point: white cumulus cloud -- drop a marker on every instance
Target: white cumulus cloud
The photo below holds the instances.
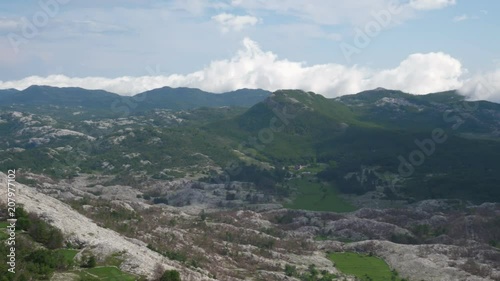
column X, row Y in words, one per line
column 233, row 22
column 422, row 73
column 252, row 67
column 484, row 86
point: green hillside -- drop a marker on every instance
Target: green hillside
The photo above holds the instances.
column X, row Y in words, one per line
column 378, row 129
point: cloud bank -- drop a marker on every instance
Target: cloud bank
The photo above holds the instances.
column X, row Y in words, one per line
column 252, row 67
column 483, row 87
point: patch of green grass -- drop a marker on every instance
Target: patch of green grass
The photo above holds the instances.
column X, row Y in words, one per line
column 69, row 254
column 115, row 259
column 364, row 267
column 3, row 230
column 314, row 196
column 109, row 273
column 321, row 238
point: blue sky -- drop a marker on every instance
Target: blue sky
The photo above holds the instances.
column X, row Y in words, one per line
column 127, row 46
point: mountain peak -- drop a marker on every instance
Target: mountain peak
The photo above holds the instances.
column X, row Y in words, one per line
column 298, row 95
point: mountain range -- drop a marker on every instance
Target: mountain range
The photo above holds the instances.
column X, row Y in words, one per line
column 409, row 147
column 163, row 98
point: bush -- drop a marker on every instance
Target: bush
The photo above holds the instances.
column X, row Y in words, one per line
column 44, row 233
column 90, row 263
column 38, row 229
column 171, row 275
column 287, row 218
column 403, row 239
column 230, row 196
column 290, row 270
column 160, row 200
column 44, row 262
column 203, row 215
column 175, row 255
column 23, row 221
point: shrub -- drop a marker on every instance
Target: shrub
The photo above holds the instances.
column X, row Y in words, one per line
column 290, row 270
column 171, row 275
column 23, row 221
column 160, row 200
column 230, row 196
column 90, row 263
column 44, row 262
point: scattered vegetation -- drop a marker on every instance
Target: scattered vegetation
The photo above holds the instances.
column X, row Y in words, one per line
column 312, row 274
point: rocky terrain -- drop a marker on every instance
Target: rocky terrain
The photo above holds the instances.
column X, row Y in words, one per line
column 431, row 240
column 84, row 232
column 228, row 193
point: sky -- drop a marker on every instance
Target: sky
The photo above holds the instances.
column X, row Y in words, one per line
column 331, row 47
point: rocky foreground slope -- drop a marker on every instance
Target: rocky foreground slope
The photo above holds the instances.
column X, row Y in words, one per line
column 81, row 230
column 233, row 244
